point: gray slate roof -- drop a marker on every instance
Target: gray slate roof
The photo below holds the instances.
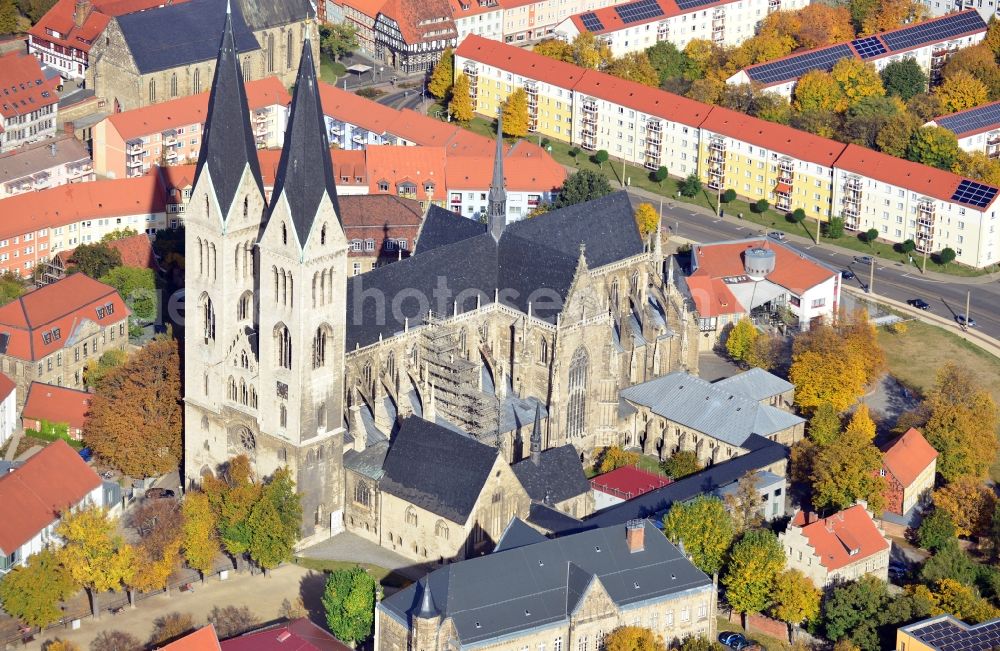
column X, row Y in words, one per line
column 181, row 34
column 535, row 585
column 716, row 411
column 261, row 14
column 756, row 384
column 557, row 477
column 518, row 534
column 442, row 227
column 437, row 469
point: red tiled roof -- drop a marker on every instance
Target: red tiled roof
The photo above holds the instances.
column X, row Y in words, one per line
column 628, row 482
column 296, row 635
column 60, row 18
column 426, row 20
column 349, row 162
column 465, row 8
column 369, row 8
column 348, row 107
column 136, row 251
column 28, row 322
column 192, row 109
column 612, row 21
column 57, row 404
column 176, row 177
column 843, row 538
column 204, row 639
column 65, row 204
column 792, row 270
column 32, row 496
column 908, row 456
column 23, row 87
column 6, row 386
column 417, row 165
column 520, row 62
column 776, row 137
column 712, row 297
column 527, row 167
column 640, row 97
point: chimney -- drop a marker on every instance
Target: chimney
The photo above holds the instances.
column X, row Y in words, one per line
column 635, row 532
column 82, row 10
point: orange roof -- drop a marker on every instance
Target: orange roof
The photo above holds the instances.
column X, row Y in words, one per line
column 423, row 21
column 33, row 495
column 465, row 8
column 422, row 166
column 520, row 62
column 640, row 97
column 176, row 177
column 712, row 297
column 915, row 177
column 57, row 404
column 136, row 251
column 192, row 109
column 792, row 270
column 204, row 639
column 346, row 162
column 60, row 18
column 43, row 321
column 348, row 107
column 24, row 86
column 775, row 137
column 908, row 456
column 369, row 8
column 843, row 538
column 6, row 386
column 527, row 167
column 612, row 21
column 66, row 204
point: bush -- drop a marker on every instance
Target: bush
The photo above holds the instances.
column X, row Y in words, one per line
column 115, row 641
column 946, row 255
column 690, row 186
column 897, row 328
column 834, row 228
column 369, row 93
column 170, row 627
column 53, row 431
column 760, row 206
column 601, row 157
column 871, row 235
column 798, row 215
column 230, row 621
column 681, row 464
column 729, row 196
column 574, row 152
column 659, row 174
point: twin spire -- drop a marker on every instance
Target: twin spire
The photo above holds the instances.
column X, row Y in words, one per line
column 496, row 211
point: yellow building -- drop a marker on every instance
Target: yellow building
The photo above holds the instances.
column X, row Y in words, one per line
column 946, row 632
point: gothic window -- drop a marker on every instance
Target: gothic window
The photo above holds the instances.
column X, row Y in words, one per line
column 390, row 365
column 204, row 423
column 283, row 416
column 173, row 84
column 270, row 52
column 411, row 516
column 197, row 81
column 201, row 255
column 204, row 377
column 283, row 345
column 246, row 69
column 322, row 235
column 284, row 234
column 577, row 404
column 321, row 417
column 361, row 494
column 246, row 206
column 244, row 393
column 231, row 391
column 274, row 272
column 614, row 295
column 288, row 50
column 244, row 360
column 634, row 283
column 206, row 205
column 152, row 91
column 441, row 529
column 253, row 397
column 244, row 307
column 208, row 318
column 543, row 350
column 319, row 347
column 366, row 373
column 484, row 332
column 463, row 343
column 413, row 357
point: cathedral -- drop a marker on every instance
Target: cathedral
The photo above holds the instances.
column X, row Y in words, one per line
column 518, row 337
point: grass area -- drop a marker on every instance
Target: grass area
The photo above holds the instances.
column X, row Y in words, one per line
column 646, row 462
column 766, row 641
column 937, row 346
column 381, row 574
column 330, row 70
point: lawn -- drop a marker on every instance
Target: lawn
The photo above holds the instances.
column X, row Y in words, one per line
column 381, row 574
column 937, row 346
column 330, row 70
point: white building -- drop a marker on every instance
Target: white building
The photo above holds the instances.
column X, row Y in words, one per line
column 8, row 408
column 481, row 17
column 986, row 8
column 29, row 104
column 977, row 129
column 46, row 164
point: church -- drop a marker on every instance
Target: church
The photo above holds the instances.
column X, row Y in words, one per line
column 517, row 337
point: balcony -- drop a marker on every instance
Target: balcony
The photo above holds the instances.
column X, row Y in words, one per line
column 261, row 116
column 133, row 147
column 76, row 171
column 169, row 137
column 773, row 6
column 41, row 180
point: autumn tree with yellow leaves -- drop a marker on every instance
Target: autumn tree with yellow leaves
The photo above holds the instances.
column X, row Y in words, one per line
column 857, row 80
column 846, row 470
column 613, row 457
column 961, row 423
column 969, row 503
column 817, row 90
column 962, row 91
column 633, row 638
column 796, row 599
column 515, row 114
column 460, row 106
column 95, row 554
column 646, row 219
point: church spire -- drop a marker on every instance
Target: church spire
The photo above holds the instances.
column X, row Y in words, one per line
column 536, row 437
column 496, row 211
column 305, row 171
column 228, row 146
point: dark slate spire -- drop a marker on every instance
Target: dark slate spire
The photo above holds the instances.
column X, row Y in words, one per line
column 228, row 145
column 536, row 437
column 496, row 211
column 305, row 171
column 428, row 610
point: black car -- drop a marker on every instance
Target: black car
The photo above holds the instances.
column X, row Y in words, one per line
column 918, row 303
column 156, row 493
column 846, row 274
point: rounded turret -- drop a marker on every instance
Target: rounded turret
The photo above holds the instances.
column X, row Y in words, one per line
column 758, row 262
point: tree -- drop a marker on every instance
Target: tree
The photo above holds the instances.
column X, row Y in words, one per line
column 589, row 51
column 95, row 260
column 865, row 120
column 817, row 90
column 690, row 186
column 729, row 196
column 949, row 597
column 822, row 24
column 961, row 91
column 904, row 78
column 60, row 645
column 861, row 427
column 894, row 137
column 764, row 353
column 274, row 521
column 646, row 219
column 555, row 48
column 760, row 206
column 860, row 10
column 349, row 602
column 829, row 367
column 704, row 528
column 754, row 564
column 159, row 524
column 707, row 91
column 582, row 186
column 119, row 234
column 230, row 621
column 969, row 503
column 460, row 105
column 853, row 610
column 680, row 464
column 94, row 372
column 936, row 530
column 946, row 255
column 871, row 235
column 32, row 592
column 992, row 39
column 337, row 39
column 834, row 229
column 934, row 146
column 961, row 424
column 743, row 504
column 949, row 562
column 11, row 287
column 135, row 418
column 890, row 14
column 137, row 286
column 152, row 569
column 846, row 470
column 980, row 62
column 908, row 246
column 515, row 114
column 443, row 75
column 94, row 552
column 700, row 643
column 634, row 66
column 115, row 641
column 979, row 166
column 600, row 157
column 232, row 497
column 169, row 627
column 796, row 599
column 613, row 457
column 659, row 175
column 824, row 425
column 667, row 60
column 760, row 48
column 199, row 542
column 633, row 638
column 857, row 80
column 9, row 17
column 740, row 339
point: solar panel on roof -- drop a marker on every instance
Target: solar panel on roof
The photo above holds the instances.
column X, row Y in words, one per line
column 795, row 66
column 933, row 31
column 591, row 22
column 691, row 4
column 868, row 47
column 633, row 12
column 978, row 119
column 974, row 194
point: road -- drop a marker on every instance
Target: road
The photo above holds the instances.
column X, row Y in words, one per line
column 947, row 298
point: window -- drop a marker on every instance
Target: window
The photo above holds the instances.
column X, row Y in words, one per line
column 152, row 91
column 173, row 84
column 208, row 318
column 411, row 516
column 576, row 411
column 543, row 350
column 288, row 50
column 246, row 69
column 270, row 53
column 362, row 494
column 581, row 645
column 319, row 347
column 283, row 346
column 557, row 644
column 196, row 82
column 441, row 531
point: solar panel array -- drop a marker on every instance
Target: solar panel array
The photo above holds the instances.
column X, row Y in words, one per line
column 691, row 4
column 974, row 194
column 948, row 635
column 795, row 66
column 868, row 47
column 981, row 118
column 634, row 12
column 933, row 31
column 591, row 22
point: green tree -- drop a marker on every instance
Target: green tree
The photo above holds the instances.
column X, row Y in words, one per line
column 94, row 553
column 946, row 255
column 934, row 146
column 760, row 206
column 199, row 540
column 895, row 135
column 854, row 610
column 94, row 372
column 824, row 425
column 680, row 464
column 349, row 602
column 582, row 186
column 444, row 75
column 866, row 119
column 962, row 423
column 600, row 157
column 796, row 599
column 337, row 39
column 9, row 17
column 834, row 228
column 460, row 105
column 119, row 234
column 275, row 521
column 754, row 564
column 95, row 260
column 904, row 79
column 634, row 66
column 515, row 114
column 871, row 235
column 729, row 196
column 137, row 286
column 741, row 339
column 705, row 529
column 11, row 287
column 32, row 592
column 936, row 530
column 690, row 186
column 949, row 562
column 908, row 246
column 667, row 60
column 232, row 497
column 659, row 175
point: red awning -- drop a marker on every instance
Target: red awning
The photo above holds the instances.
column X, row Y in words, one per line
column 783, row 188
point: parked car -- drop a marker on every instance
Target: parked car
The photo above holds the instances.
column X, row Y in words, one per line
column 864, row 259
column 734, row 640
column 86, row 454
column 967, row 321
column 846, row 274
column 777, row 235
column 919, row 303
column 157, row 493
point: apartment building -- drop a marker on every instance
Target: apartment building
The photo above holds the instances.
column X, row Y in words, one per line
column 758, row 159
column 636, row 26
column 930, row 44
column 986, row 8
column 480, row 17
column 842, row 547
column 29, row 104
column 361, row 15
column 46, row 164
column 128, row 144
column 977, row 129
column 947, row 633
